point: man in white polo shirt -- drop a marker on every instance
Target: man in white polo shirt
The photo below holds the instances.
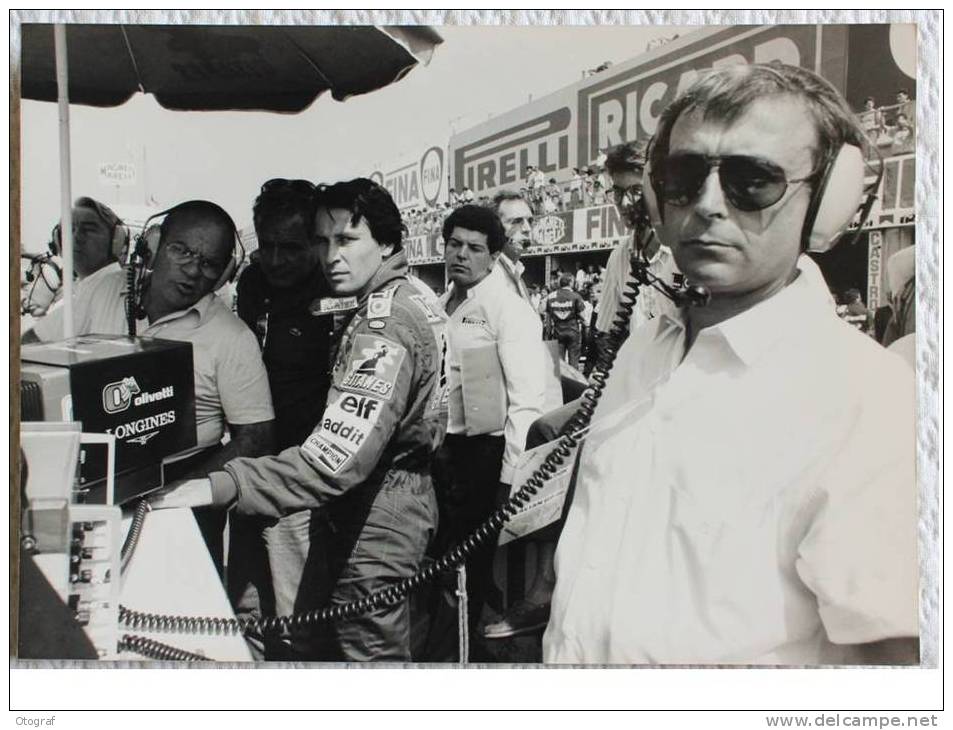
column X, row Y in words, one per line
column 197, row 239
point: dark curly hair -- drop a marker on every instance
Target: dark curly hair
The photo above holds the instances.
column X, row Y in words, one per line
column 364, row 198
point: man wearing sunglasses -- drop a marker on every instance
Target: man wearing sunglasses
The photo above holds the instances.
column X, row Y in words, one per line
column 285, row 301
column 196, row 241
column 746, row 493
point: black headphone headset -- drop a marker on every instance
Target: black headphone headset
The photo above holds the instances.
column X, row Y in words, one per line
column 118, row 232
column 836, row 199
column 148, row 239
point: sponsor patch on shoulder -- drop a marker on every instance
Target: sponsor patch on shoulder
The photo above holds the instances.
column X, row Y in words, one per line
column 431, row 311
column 327, row 454
column 374, row 367
column 377, row 324
column 330, row 305
column 379, row 303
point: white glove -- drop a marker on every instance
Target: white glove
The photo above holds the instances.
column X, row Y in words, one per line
column 186, row 493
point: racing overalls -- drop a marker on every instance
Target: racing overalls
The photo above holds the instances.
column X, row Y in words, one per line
column 368, row 460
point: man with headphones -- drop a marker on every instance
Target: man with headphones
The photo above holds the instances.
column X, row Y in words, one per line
column 99, row 237
column 746, row 493
column 196, row 254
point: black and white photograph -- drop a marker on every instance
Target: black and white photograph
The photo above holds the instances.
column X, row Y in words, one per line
column 477, row 340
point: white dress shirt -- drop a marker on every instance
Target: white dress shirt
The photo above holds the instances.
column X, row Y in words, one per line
column 753, row 502
column 514, row 275
column 493, row 314
column 651, row 303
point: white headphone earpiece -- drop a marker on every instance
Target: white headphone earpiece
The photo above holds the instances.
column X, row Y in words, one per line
column 835, row 200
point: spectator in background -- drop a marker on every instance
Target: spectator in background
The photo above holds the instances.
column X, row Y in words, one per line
column 854, row 312
column 581, row 277
column 905, row 105
column 553, row 197
column 564, row 308
column 468, row 196
column 870, row 117
column 577, row 188
column 903, row 138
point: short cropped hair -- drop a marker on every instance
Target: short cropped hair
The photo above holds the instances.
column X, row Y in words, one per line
column 626, row 157
column 728, row 92
column 283, row 199
column 480, row 219
column 102, row 211
column 565, row 280
column 364, row 198
column 205, row 209
column 505, row 195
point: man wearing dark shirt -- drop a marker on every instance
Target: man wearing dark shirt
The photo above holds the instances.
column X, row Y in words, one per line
column 564, row 307
column 284, row 299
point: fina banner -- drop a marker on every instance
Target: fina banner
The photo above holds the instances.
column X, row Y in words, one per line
column 582, row 229
column 417, row 184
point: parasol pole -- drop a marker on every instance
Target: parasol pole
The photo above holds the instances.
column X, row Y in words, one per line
column 66, row 206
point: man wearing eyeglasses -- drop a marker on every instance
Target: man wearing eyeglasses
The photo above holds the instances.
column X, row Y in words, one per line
column 625, row 164
column 285, row 301
column 747, row 492
column 196, row 241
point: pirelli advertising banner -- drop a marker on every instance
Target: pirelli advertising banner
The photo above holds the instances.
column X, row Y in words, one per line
column 570, row 127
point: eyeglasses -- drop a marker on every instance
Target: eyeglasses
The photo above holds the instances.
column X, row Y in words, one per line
column 181, row 255
column 749, row 183
column 633, row 193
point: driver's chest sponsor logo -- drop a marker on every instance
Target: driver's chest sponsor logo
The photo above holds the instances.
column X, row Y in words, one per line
column 374, row 366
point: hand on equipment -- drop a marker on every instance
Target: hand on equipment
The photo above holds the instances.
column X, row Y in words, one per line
column 186, row 493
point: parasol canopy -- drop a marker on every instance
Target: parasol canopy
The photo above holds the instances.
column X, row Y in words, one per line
column 221, row 67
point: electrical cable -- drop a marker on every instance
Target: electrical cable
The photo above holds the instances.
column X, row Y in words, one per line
column 393, row 594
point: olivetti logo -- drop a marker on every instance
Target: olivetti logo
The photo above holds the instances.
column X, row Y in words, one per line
column 117, row 396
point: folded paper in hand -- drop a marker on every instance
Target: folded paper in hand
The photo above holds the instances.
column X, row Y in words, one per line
column 547, row 505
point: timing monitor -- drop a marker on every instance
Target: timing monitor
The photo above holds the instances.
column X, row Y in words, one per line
column 139, row 389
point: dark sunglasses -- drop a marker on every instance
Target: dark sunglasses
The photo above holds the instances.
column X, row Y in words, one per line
column 749, row 183
column 280, row 183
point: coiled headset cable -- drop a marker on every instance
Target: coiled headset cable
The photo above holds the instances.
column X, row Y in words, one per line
column 566, row 445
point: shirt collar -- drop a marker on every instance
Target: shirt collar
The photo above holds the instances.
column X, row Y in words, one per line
column 789, row 314
column 514, row 269
column 202, row 308
column 486, row 285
